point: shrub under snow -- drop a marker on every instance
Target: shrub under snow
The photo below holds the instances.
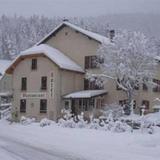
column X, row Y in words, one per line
column 45, row 122
column 25, row 121
column 107, row 124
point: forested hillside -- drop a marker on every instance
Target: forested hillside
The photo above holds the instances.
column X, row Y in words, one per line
column 17, row 33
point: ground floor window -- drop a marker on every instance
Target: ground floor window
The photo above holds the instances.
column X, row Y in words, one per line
column 22, row 105
column 146, row 104
column 43, row 106
column 86, row 104
column 123, row 102
column 99, row 103
column 67, row 104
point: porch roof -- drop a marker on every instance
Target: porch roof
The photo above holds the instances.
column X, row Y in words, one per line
column 85, row 94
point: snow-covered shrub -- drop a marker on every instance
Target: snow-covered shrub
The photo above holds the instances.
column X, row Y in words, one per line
column 116, row 110
column 119, row 126
column 95, row 124
column 70, row 123
column 81, row 123
column 25, row 121
column 45, row 122
column 67, row 119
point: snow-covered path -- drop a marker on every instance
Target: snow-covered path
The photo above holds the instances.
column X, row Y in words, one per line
column 11, row 149
column 32, row 142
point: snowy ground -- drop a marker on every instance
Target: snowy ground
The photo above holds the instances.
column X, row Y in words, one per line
column 18, row 142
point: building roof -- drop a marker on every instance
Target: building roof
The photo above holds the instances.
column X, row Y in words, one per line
column 54, row 55
column 3, row 66
column 92, row 35
column 85, row 94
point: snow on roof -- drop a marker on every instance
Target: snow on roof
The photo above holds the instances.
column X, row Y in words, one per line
column 96, row 36
column 86, row 94
column 4, row 65
column 55, row 55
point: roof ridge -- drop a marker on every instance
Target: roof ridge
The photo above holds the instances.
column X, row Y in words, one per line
column 96, row 36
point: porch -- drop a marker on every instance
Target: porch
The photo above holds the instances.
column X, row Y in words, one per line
column 84, row 101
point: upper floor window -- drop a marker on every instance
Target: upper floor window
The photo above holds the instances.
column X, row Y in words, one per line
column 145, row 87
column 123, row 102
column 23, row 105
column 157, row 87
column 44, row 83
column 90, row 62
column 146, row 104
column 34, row 64
column 43, row 106
column 92, row 85
column 24, row 84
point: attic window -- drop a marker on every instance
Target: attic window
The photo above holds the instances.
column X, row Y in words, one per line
column 34, row 64
column 66, row 33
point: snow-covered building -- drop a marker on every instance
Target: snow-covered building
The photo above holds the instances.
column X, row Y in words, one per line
column 51, row 75
column 5, row 85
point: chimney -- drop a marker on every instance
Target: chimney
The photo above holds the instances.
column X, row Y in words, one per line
column 111, row 34
column 65, row 20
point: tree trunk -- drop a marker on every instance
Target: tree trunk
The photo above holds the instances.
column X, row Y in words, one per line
column 130, row 102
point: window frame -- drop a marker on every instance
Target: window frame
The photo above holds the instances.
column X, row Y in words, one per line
column 156, row 88
column 34, row 64
column 43, row 109
column 91, row 85
column 44, row 83
column 23, row 105
column 23, row 83
column 146, row 103
column 90, row 62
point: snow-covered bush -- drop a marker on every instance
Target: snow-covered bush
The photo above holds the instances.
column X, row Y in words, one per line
column 45, row 122
column 116, row 110
column 81, row 123
column 95, row 124
column 119, row 126
column 25, row 121
column 67, row 119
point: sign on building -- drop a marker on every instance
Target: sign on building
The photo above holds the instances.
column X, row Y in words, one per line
column 33, row 95
column 52, row 85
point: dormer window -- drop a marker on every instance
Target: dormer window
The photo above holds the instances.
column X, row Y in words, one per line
column 34, row 64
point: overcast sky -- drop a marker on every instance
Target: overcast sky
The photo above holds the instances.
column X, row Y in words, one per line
column 77, row 7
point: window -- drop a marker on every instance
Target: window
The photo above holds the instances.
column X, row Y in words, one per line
column 136, row 87
column 145, row 87
column 43, row 106
column 134, row 104
column 123, row 102
column 34, row 64
column 99, row 103
column 91, row 85
column 145, row 103
column 90, row 62
column 24, row 84
column 44, row 83
column 67, row 104
column 157, row 87
column 23, row 106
